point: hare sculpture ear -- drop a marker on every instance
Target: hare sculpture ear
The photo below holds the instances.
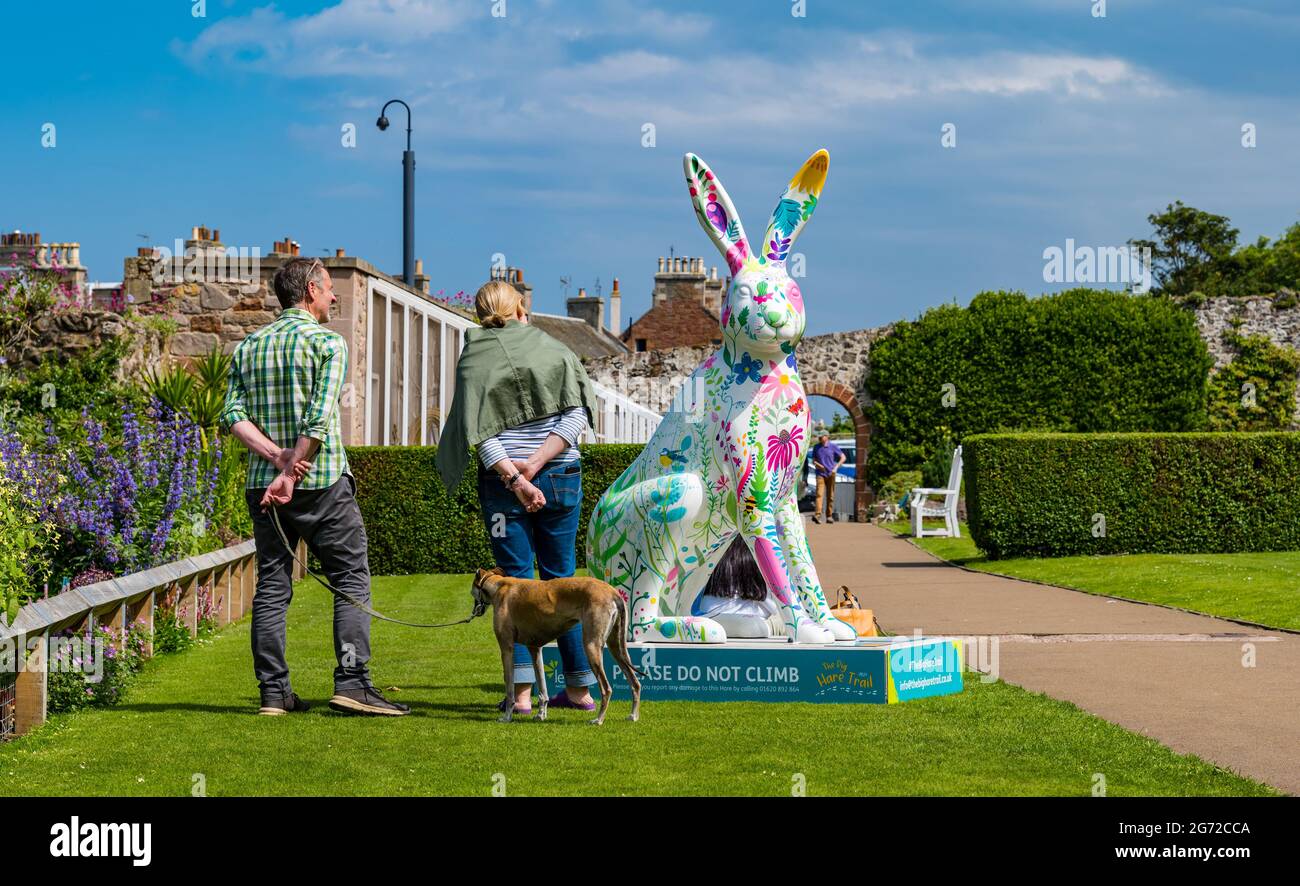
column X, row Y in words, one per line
column 795, row 207
column 716, row 213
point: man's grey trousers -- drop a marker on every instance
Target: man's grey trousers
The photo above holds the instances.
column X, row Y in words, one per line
column 330, row 522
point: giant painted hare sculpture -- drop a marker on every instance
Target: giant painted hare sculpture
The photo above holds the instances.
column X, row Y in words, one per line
column 725, row 458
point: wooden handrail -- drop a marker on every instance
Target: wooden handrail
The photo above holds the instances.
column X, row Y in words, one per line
column 119, row 603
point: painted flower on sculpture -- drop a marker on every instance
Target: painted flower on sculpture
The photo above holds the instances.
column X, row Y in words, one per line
column 779, row 385
column 721, row 485
column 737, row 254
column 664, row 500
column 812, row 178
column 748, row 369
column 782, row 448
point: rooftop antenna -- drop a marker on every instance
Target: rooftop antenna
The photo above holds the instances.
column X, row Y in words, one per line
column 564, row 284
column 597, row 287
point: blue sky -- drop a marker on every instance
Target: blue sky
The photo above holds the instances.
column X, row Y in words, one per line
column 528, row 132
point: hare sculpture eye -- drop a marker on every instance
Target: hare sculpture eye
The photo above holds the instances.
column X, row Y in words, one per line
column 745, row 291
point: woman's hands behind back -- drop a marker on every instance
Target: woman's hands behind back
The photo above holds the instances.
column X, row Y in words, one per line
column 529, row 495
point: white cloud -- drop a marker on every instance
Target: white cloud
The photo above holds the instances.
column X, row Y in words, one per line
column 355, row 37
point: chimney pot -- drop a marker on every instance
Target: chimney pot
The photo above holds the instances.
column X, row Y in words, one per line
column 615, row 292
column 582, row 293
column 419, row 266
column 338, row 253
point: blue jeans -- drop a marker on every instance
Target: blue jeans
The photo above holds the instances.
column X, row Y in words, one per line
column 551, row 534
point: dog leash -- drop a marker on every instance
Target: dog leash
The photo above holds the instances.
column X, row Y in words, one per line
column 284, row 539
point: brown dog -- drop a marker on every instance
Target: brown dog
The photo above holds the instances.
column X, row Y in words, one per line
column 534, row 613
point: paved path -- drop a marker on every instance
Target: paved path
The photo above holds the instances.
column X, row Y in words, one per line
column 1173, row 676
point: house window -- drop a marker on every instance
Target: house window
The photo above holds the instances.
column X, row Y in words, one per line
column 640, row 344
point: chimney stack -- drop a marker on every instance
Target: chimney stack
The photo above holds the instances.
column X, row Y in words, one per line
column 589, row 310
column 615, row 308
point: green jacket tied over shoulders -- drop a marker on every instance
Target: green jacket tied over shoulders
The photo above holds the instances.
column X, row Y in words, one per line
column 507, row 376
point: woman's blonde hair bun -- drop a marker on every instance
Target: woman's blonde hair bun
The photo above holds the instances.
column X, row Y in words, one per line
column 496, row 302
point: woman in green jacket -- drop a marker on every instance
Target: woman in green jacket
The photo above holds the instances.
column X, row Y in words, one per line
column 523, row 399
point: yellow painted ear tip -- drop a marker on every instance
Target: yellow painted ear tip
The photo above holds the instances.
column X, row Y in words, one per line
column 812, row 175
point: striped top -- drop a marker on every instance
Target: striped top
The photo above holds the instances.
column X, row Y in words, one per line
column 523, row 440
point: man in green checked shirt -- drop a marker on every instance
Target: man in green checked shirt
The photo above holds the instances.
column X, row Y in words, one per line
column 283, row 404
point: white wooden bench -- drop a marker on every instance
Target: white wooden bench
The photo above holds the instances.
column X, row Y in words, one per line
column 922, row 507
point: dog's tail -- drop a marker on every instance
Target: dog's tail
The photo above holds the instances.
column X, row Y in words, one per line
column 618, row 637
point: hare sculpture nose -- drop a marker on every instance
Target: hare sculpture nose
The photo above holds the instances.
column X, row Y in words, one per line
column 776, row 319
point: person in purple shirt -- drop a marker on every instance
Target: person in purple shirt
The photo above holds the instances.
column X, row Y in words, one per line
column 826, row 458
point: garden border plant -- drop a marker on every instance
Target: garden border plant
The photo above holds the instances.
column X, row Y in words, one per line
column 1081, row 360
column 1051, row 495
column 414, row 525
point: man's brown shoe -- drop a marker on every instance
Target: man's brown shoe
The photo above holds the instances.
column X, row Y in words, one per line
column 276, row 706
column 366, row 701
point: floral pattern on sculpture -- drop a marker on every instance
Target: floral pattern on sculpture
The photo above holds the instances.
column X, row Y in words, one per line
column 725, row 459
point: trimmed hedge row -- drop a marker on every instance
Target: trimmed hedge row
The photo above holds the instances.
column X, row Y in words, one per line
column 1091, row 361
column 1040, row 494
column 415, row 525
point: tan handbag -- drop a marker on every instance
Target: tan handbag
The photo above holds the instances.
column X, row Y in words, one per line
column 848, row 610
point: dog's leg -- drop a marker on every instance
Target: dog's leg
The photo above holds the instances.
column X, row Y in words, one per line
column 536, row 652
column 508, row 665
column 594, row 629
column 618, row 649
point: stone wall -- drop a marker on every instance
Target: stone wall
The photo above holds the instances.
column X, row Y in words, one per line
column 1275, row 316
column 652, row 378
column 212, row 315
column 76, row 331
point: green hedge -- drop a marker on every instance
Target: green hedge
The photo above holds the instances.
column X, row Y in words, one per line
column 414, row 525
column 1037, row 494
column 1082, row 360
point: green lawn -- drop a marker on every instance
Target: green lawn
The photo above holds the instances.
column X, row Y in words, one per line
column 192, row 713
column 1260, row 588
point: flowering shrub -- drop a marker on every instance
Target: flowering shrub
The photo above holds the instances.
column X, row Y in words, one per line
column 170, row 633
column 25, row 295
column 75, row 683
column 24, row 533
column 208, row 609
column 461, row 299
column 121, row 507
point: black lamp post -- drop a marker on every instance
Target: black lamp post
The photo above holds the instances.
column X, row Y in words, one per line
column 408, row 194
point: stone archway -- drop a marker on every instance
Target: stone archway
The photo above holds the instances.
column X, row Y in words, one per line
column 862, row 493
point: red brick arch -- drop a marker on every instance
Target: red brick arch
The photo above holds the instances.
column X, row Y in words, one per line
column 862, row 493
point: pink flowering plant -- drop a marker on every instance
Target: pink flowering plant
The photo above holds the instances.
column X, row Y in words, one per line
column 95, row 668
column 171, row 631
